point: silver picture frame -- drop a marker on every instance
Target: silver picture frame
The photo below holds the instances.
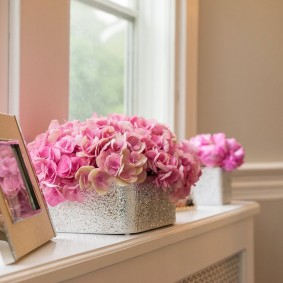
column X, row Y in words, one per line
column 24, row 219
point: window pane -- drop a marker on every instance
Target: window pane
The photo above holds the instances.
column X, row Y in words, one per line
column 98, row 62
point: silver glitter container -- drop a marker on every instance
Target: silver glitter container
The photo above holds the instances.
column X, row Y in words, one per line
column 125, row 210
column 213, row 187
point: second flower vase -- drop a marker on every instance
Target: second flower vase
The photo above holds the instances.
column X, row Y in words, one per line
column 213, row 187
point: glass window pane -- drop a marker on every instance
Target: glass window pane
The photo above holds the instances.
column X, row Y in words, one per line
column 15, row 183
column 98, row 62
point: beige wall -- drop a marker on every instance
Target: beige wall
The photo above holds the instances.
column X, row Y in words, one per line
column 44, row 66
column 240, row 92
column 268, row 242
column 241, row 74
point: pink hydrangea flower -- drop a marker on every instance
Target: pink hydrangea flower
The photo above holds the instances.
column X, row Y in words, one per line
column 101, row 151
column 215, row 150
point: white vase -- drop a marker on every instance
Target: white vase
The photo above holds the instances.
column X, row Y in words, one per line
column 213, row 187
column 131, row 209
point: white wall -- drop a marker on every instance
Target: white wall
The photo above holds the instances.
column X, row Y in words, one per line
column 240, row 92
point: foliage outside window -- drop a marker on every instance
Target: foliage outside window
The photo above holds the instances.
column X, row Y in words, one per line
column 99, row 58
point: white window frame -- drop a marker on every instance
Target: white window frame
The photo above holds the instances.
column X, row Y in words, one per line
column 4, row 39
column 156, row 61
column 186, row 72
column 14, row 58
column 166, row 88
column 9, row 56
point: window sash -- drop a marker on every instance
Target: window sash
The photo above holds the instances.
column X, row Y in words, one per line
column 150, row 88
column 112, row 8
column 155, row 86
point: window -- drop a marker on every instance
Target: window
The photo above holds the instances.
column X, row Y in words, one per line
column 122, row 58
column 144, row 61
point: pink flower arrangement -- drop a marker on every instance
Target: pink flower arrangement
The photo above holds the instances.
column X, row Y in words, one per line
column 101, row 151
column 215, row 150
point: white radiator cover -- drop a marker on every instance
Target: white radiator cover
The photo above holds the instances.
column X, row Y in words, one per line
column 203, row 242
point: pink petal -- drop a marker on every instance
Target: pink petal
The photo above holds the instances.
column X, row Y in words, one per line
column 53, row 196
column 100, row 180
column 82, row 175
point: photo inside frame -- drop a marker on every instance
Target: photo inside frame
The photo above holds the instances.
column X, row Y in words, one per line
column 15, row 184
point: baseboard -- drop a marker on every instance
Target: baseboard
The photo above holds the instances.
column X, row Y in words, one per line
column 258, row 181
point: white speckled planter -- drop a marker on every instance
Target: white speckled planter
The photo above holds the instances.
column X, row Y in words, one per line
column 213, row 187
column 125, row 210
